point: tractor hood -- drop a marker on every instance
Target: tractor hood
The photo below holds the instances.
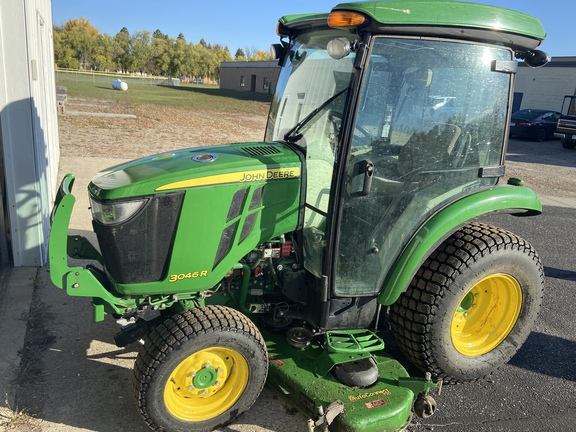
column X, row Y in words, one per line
column 197, row 167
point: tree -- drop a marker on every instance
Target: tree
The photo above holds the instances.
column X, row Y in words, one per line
column 221, row 54
column 177, row 57
column 160, row 56
column 79, row 44
column 159, row 35
column 122, row 55
column 141, row 51
column 76, row 43
column 261, row 56
column 102, row 58
column 250, row 51
column 239, row 54
column 63, row 52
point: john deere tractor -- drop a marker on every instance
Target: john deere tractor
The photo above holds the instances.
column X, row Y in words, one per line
column 286, row 261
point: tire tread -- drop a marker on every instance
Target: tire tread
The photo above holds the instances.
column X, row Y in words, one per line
column 410, row 316
column 176, row 330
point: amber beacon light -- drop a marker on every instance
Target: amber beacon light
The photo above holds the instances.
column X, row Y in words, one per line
column 345, row 19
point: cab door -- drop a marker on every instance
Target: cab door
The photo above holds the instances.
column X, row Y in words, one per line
column 429, row 129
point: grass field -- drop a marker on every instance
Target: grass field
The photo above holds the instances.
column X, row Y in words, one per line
column 142, row 92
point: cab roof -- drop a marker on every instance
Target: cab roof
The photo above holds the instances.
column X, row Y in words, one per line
column 444, row 18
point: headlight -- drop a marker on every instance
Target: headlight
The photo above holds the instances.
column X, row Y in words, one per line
column 115, row 212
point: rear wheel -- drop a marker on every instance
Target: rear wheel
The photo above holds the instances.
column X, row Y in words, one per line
column 471, row 305
column 540, row 135
column 568, row 144
column 199, row 370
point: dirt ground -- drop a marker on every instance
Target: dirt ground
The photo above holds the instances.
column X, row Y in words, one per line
column 155, row 129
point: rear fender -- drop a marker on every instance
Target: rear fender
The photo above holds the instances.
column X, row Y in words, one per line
column 516, row 200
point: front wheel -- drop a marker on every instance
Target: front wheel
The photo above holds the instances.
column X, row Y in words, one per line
column 471, row 305
column 568, row 144
column 199, row 370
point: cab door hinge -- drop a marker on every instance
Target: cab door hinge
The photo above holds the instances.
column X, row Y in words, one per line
column 361, row 56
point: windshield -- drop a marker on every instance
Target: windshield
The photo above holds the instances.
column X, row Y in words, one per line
column 307, row 110
column 311, row 85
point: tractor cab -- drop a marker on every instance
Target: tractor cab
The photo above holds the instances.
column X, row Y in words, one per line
column 392, row 130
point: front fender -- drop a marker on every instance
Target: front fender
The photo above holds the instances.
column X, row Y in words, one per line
column 516, row 200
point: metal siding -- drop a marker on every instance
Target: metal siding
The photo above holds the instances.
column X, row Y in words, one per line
column 29, row 125
column 545, row 87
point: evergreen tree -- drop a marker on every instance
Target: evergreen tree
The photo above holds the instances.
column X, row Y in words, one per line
column 239, row 54
column 122, row 54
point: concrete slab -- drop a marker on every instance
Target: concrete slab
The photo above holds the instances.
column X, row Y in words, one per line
column 16, row 290
column 99, row 114
column 558, row 201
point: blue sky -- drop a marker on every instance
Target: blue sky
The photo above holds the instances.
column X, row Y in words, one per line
column 237, row 24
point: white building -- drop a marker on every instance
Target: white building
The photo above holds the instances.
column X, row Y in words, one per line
column 29, row 150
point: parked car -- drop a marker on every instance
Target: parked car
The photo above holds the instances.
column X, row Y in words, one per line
column 197, row 81
column 535, row 124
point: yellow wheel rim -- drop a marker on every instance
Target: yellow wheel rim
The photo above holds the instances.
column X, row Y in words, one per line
column 486, row 315
column 206, row 384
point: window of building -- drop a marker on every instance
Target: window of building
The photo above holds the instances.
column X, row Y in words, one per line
column 266, row 83
column 242, row 81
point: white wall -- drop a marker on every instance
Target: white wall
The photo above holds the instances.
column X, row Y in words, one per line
column 546, row 87
column 28, row 125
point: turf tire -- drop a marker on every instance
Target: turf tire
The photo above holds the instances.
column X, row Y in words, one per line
column 182, row 337
column 421, row 319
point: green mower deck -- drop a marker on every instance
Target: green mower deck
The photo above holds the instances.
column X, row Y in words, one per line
column 301, row 377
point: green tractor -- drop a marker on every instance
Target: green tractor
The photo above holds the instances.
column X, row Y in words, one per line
column 285, row 261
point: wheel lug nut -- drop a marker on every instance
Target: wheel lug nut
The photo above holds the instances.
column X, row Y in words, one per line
column 191, row 388
column 204, row 392
column 219, row 370
column 217, row 383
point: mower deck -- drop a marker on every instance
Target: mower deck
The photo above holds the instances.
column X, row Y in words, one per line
column 302, row 377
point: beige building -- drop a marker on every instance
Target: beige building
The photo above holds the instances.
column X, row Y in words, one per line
column 252, row 76
column 545, row 87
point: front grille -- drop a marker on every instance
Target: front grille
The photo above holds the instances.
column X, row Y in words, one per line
column 139, row 250
column 225, row 243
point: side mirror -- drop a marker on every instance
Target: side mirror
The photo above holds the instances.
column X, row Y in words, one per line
column 277, row 51
column 534, row 58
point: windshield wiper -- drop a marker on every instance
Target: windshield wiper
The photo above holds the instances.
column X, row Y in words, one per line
column 292, row 135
